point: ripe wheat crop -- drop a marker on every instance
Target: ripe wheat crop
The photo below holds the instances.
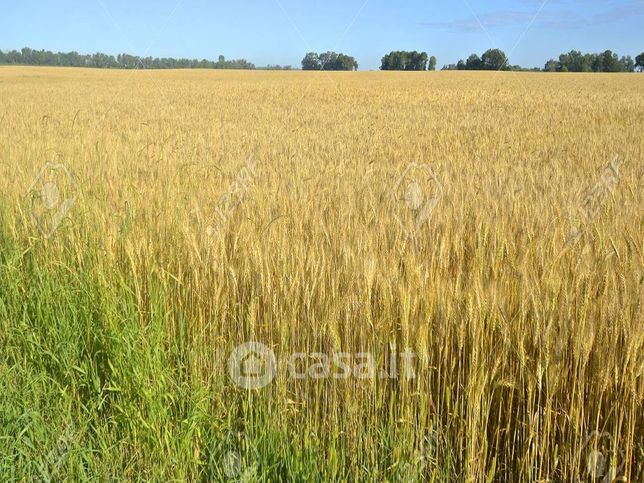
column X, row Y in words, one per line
column 445, row 268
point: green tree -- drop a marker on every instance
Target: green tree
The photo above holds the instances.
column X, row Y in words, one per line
column 551, row 66
column 345, row 62
column 127, row 61
column 494, row 59
column 432, row 63
column 473, row 62
column 575, row 61
column 398, row 60
column 607, row 62
column 627, row 63
column 639, row 62
column 395, row 60
column 329, row 61
column 404, row 60
column 311, row 61
column 102, row 61
column 385, row 62
column 416, row 61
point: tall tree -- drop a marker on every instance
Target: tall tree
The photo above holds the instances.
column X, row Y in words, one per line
column 551, row 66
column 494, row 59
column 399, row 60
column 639, row 62
column 575, row 61
column 395, row 60
column 345, row 62
column 432, row 63
column 607, row 62
column 627, row 63
column 473, row 62
column 404, row 60
column 329, row 61
column 311, row 61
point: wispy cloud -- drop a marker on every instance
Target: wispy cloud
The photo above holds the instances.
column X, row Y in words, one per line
column 619, row 12
column 507, row 18
column 565, row 15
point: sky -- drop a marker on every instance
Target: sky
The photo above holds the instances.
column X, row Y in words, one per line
column 282, row 31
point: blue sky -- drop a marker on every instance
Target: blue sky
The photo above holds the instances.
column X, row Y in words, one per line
column 282, row 31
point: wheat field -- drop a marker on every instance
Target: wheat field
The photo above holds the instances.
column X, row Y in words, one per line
column 487, row 225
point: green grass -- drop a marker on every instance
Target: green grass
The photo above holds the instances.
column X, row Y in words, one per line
column 99, row 383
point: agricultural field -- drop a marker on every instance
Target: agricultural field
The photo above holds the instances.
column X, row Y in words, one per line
column 315, row 276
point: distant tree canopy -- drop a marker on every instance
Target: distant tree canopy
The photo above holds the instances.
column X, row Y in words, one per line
column 607, row 61
column 276, row 67
column 403, row 60
column 492, row 59
column 27, row 56
column 639, row 62
column 328, row 61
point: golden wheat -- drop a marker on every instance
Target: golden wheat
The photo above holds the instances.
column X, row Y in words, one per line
column 524, row 313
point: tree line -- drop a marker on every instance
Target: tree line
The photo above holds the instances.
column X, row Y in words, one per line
column 396, row 60
column 573, row 61
column 491, row 59
column 27, row 56
column 404, row 60
column 607, row 61
column 328, row 61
